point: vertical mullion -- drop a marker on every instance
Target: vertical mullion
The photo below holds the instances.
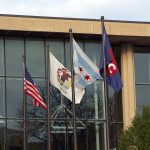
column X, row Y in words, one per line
column 5, row 131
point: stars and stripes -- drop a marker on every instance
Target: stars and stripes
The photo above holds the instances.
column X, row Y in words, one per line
column 31, row 90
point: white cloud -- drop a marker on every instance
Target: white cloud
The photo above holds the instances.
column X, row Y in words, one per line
column 111, row 9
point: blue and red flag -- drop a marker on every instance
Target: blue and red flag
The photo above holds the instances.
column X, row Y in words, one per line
column 112, row 72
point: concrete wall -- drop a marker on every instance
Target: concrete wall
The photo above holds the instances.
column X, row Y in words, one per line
column 21, row 23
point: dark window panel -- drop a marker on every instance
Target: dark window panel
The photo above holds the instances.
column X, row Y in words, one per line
column 14, row 51
column 115, row 131
column 34, row 111
column 68, row 53
column 62, row 135
column 115, row 105
column 14, row 92
column 2, row 128
column 35, row 58
column 95, row 100
column 1, row 57
column 89, row 136
column 142, row 96
column 37, row 135
column 95, row 136
column 14, row 135
column 2, row 98
column 113, row 136
column 56, row 47
column 92, row 50
column 142, row 67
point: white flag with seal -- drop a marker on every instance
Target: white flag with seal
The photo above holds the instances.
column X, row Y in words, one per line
column 60, row 77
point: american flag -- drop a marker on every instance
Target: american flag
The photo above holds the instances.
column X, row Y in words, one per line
column 31, row 90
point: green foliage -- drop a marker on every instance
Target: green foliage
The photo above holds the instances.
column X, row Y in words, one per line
column 137, row 136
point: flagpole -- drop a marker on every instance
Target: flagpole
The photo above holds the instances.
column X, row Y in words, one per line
column 73, row 92
column 48, row 101
column 25, row 147
column 105, row 86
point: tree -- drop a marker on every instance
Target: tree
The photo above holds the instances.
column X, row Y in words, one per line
column 137, row 136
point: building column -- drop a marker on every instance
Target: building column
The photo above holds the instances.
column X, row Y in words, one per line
column 128, row 78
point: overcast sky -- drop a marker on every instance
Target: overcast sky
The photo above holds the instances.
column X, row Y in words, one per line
column 132, row 10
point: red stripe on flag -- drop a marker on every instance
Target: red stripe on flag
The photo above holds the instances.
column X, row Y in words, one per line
column 32, row 91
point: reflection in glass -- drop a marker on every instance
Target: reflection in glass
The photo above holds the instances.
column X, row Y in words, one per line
column 57, row 49
column 115, row 105
column 14, row 137
column 34, row 111
column 14, row 92
column 93, row 51
column 112, row 134
column 142, row 96
column 95, row 136
column 2, row 127
column 35, row 57
column 142, row 74
column 14, row 51
column 62, row 135
column 68, row 54
column 115, row 131
column 37, row 134
column 2, row 98
column 94, row 100
column 1, row 57
column 90, row 134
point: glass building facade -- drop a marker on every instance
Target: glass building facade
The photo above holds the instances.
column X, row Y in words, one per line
column 90, row 112
column 142, row 76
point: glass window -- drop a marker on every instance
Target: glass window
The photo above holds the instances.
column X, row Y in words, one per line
column 34, row 111
column 95, row 136
column 115, row 105
column 142, row 96
column 37, row 135
column 62, row 138
column 62, row 132
column 90, row 112
column 57, row 49
column 113, row 134
column 2, row 128
column 90, row 136
column 2, row 98
column 142, row 76
column 14, row 52
column 14, row 135
column 1, row 57
column 94, row 92
column 14, row 97
column 93, row 51
column 91, row 105
column 142, row 67
column 68, row 54
column 35, row 58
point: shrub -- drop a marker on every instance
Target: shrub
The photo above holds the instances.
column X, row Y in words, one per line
column 137, row 136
